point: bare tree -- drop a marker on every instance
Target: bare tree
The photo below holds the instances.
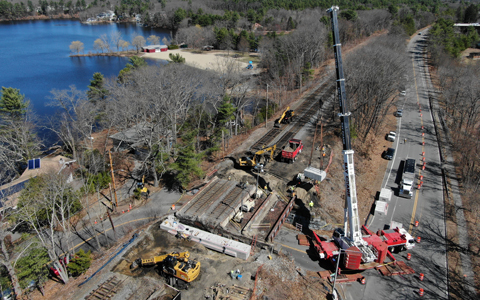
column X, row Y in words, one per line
column 124, row 45
column 116, row 39
column 154, row 40
column 46, row 206
column 99, row 45
column 138, row 42
column 76, row 46
column 106, row 42
column 74, row 122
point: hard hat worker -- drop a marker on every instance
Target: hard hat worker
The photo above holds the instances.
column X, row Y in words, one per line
column 310, row 204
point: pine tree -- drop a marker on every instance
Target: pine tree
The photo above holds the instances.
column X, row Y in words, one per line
column 96, row 91
column 31, row 267
column 79, row 263
column 188, row 161
column 12, row 103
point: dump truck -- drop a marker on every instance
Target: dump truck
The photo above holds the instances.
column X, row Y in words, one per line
column 290, row 152
column 408, row 178
column 173, row 264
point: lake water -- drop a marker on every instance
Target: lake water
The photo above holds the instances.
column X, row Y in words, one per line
column 34, row 56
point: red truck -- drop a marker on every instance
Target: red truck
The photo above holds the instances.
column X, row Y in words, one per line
column 289, row 153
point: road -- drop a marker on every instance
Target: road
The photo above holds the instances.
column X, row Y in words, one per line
column 427, row 204
column 159, row 205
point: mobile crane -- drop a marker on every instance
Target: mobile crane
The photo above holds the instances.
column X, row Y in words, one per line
column 269, row 152
column 361, row 252
column 173, row 264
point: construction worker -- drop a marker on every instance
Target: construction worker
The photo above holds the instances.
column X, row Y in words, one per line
column 405, row 141
column 310, row 204
column 229, row 178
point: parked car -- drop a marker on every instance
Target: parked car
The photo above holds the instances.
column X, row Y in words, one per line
column 399, row 113
column 388, row 154
column 403, row 93
column 391, row 136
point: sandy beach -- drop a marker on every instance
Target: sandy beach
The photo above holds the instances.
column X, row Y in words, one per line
column 206, row 60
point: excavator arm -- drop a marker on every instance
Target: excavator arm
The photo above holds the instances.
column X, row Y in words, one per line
column 148, row 262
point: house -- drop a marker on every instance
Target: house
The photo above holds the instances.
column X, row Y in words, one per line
column 154, row 48
column 10, row 192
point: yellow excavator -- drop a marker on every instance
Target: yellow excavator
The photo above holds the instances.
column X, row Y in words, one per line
column 173, row 264
column 287, row 117
column 253, row 161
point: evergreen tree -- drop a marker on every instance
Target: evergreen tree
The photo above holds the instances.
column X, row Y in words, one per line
column 177, row 58
column 79, row 263
column 32, row 267
column 135, row 62
column 187, row 164
column 12, row 103
column 96, row 91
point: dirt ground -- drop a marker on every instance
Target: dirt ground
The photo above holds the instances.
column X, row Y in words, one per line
column 278, row 276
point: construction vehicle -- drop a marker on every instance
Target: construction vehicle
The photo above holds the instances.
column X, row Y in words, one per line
column 267, row 153
column 408, row 177
column 173, row 264
column 349, row 246
column 287, row 117
column 290, row 152
column 144, row 192
column 397, row 239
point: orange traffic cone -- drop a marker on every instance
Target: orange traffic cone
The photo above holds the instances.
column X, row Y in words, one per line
column 409, row 256
column 95, row 221
column 130, row 206
column 419, row 239
column 123, row 211
column 421, row 276
column 416, row 223
column 363, row 280
column 173, row 207
column 420, row 292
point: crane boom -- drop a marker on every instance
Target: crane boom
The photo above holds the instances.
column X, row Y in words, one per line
column 353, row 230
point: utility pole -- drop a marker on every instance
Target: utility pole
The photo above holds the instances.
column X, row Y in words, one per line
column 113, row 179
column 266, row 111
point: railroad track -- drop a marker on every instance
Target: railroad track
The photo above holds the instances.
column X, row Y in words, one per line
column 266, row 140
column 106, row 290
column 305, row 112
column 203, row 202
column 226, row 203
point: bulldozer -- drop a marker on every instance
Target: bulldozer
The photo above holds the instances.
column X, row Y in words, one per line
column 176, row 266
column 287, row 117
column 253, row 161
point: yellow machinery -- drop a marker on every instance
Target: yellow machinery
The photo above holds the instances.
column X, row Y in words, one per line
column 252, row 162
column 286, row 117
column 173, row 264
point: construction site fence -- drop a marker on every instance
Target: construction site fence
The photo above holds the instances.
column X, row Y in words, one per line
column 276, row 228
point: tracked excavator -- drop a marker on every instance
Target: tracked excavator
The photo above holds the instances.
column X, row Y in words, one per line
column 174, row 264
column 267, row 153
column 287, row 117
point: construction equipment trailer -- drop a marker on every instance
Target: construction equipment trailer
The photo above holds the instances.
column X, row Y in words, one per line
column 350, row 246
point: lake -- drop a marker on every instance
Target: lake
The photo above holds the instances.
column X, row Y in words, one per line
column 34, row 56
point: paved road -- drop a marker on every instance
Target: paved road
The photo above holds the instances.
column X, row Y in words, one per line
column 427, row 205
column 159, row 205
